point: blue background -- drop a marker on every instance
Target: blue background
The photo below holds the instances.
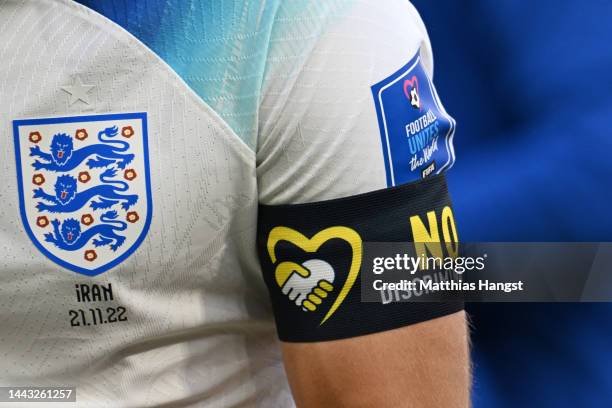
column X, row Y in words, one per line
column 530, row 84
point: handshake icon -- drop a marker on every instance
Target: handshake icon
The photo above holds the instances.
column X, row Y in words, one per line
column 306, row 284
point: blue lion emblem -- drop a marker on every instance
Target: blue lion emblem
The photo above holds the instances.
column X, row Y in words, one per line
column 84, row 187
column 63, row 157
column 67, row 199
column 68, row 236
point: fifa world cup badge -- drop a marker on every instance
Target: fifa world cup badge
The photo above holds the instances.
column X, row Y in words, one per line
column 416, row 132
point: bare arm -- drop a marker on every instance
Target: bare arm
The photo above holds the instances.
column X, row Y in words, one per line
column 327, row 184
column 423, row 365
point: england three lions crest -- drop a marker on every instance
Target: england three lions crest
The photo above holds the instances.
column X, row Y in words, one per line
column 84, row 187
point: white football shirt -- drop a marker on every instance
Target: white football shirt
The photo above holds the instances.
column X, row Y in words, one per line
column 129, row 198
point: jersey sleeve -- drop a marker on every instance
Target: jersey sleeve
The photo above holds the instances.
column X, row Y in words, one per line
column 353, row 143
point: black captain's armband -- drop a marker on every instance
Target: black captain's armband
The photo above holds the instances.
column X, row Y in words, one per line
column 311, row 257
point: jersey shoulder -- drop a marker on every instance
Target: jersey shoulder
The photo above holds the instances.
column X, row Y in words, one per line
column 221, row 49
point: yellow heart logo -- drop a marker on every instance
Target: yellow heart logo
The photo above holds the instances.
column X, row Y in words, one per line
column 313, row 244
